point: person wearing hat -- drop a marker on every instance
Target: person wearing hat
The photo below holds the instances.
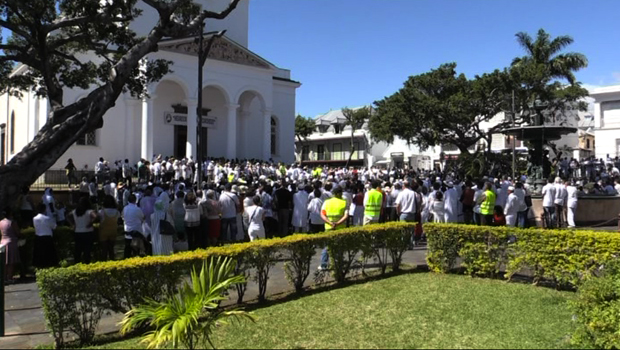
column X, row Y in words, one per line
column 511, row 209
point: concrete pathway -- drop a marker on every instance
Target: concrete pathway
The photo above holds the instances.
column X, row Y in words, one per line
column 25, row 323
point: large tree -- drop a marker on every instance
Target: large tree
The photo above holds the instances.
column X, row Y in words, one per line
column 355, row 118
column 304, row 127
column 441, row 107
column 52, row 38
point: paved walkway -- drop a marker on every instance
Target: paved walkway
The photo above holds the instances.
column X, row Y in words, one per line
column 25, row 323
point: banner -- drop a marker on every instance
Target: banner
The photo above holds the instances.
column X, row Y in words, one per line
column 172, row 118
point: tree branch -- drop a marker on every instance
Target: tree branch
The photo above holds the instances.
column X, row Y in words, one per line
column 16, row 30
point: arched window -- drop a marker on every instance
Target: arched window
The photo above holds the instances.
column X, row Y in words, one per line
column 12, row 133
column 274, row 135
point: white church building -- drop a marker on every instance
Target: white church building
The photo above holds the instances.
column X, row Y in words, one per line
column 249, row 100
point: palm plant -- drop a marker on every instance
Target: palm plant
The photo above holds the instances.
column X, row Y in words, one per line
column 190, row 316
column 542, row 69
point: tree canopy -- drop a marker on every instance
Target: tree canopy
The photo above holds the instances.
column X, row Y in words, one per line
column 304, row 127
column 56, row 41
column 443, row 107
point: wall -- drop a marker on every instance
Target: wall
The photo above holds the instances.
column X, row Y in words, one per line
column 591, row 210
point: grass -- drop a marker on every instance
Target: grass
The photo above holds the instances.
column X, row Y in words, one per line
column 420, row 310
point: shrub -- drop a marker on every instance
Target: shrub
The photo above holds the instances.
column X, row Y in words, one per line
column 597, row 310
column 119, row 286
column 190, row 316
column 343, row 247
column 299, row 254
column 564, row 256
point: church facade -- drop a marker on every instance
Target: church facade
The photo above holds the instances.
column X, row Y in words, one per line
column 249, row 105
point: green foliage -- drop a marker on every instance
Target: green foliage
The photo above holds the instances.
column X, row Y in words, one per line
column 440, row 107
column 262, row 258
column 119, row 286
column 297, row 268
column 597, row 310
column 567, row 257
column 304, row 127
column 342, row 251
column 540, row 77
column 190, row 316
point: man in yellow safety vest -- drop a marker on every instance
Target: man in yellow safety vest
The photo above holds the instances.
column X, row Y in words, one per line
column 373, row 201
column 335, row 214
column 487, row 205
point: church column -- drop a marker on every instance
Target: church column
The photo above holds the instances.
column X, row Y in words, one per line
column 231, row 122
column 147, row 128
column 192, row 124
column 130, row 115
column 266, row 134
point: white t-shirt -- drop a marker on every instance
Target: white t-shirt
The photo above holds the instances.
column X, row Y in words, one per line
column 43, row 225
column 572, row 199
column 229, row 202
column 406, row 200
column 548, row 195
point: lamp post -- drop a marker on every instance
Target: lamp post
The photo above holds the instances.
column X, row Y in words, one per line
column 203, row 53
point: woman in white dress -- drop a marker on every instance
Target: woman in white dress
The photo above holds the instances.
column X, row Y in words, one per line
column 300, row 209
column 253, row 217
column 162, row 244
column 438, row 208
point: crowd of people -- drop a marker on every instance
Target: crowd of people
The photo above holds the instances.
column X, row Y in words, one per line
column 163, row 208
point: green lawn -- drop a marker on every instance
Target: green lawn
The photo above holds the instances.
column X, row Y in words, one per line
column 420, row 310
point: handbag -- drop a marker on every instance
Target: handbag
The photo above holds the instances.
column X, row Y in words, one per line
column 166, row 228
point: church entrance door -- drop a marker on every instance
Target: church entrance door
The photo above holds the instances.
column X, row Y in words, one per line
column 180, row 141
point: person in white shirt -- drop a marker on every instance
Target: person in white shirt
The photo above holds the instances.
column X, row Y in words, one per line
column 230, row 206
column 477, row 195
column 300, row 209
column 133, row 218
column 560, row 201
column 571, row 203
column 406, row 204
column 314, row 209
column 512, row 207
column 99, row 171
column 523, row 209
column 451, row 199
column 44, row 253
column 548, row 193
column 253, row 217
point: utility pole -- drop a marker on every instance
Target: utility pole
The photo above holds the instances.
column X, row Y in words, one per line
column 514, row 139
column 203, row 53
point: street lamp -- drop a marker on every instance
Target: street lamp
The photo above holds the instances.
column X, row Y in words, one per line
column 203, row 53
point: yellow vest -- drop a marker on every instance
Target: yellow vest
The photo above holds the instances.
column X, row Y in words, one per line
column 486, row 208
column 231, row 177
column 373, row 206
column 335, row 208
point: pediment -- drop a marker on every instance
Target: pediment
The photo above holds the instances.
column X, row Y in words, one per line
column 221, row 50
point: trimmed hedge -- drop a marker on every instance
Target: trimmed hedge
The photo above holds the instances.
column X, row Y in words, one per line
column 566, row 257
column 74, row 298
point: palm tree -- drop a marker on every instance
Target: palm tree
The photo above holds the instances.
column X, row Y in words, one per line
column 189, row 317
column 540, row 71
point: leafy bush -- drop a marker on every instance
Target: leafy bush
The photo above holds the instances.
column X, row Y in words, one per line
column 564, row 256
column 119, row 286
column 597, row 310
column 190, row 316
column 299, row 255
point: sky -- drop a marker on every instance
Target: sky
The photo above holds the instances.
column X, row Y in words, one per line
column 348, row 53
